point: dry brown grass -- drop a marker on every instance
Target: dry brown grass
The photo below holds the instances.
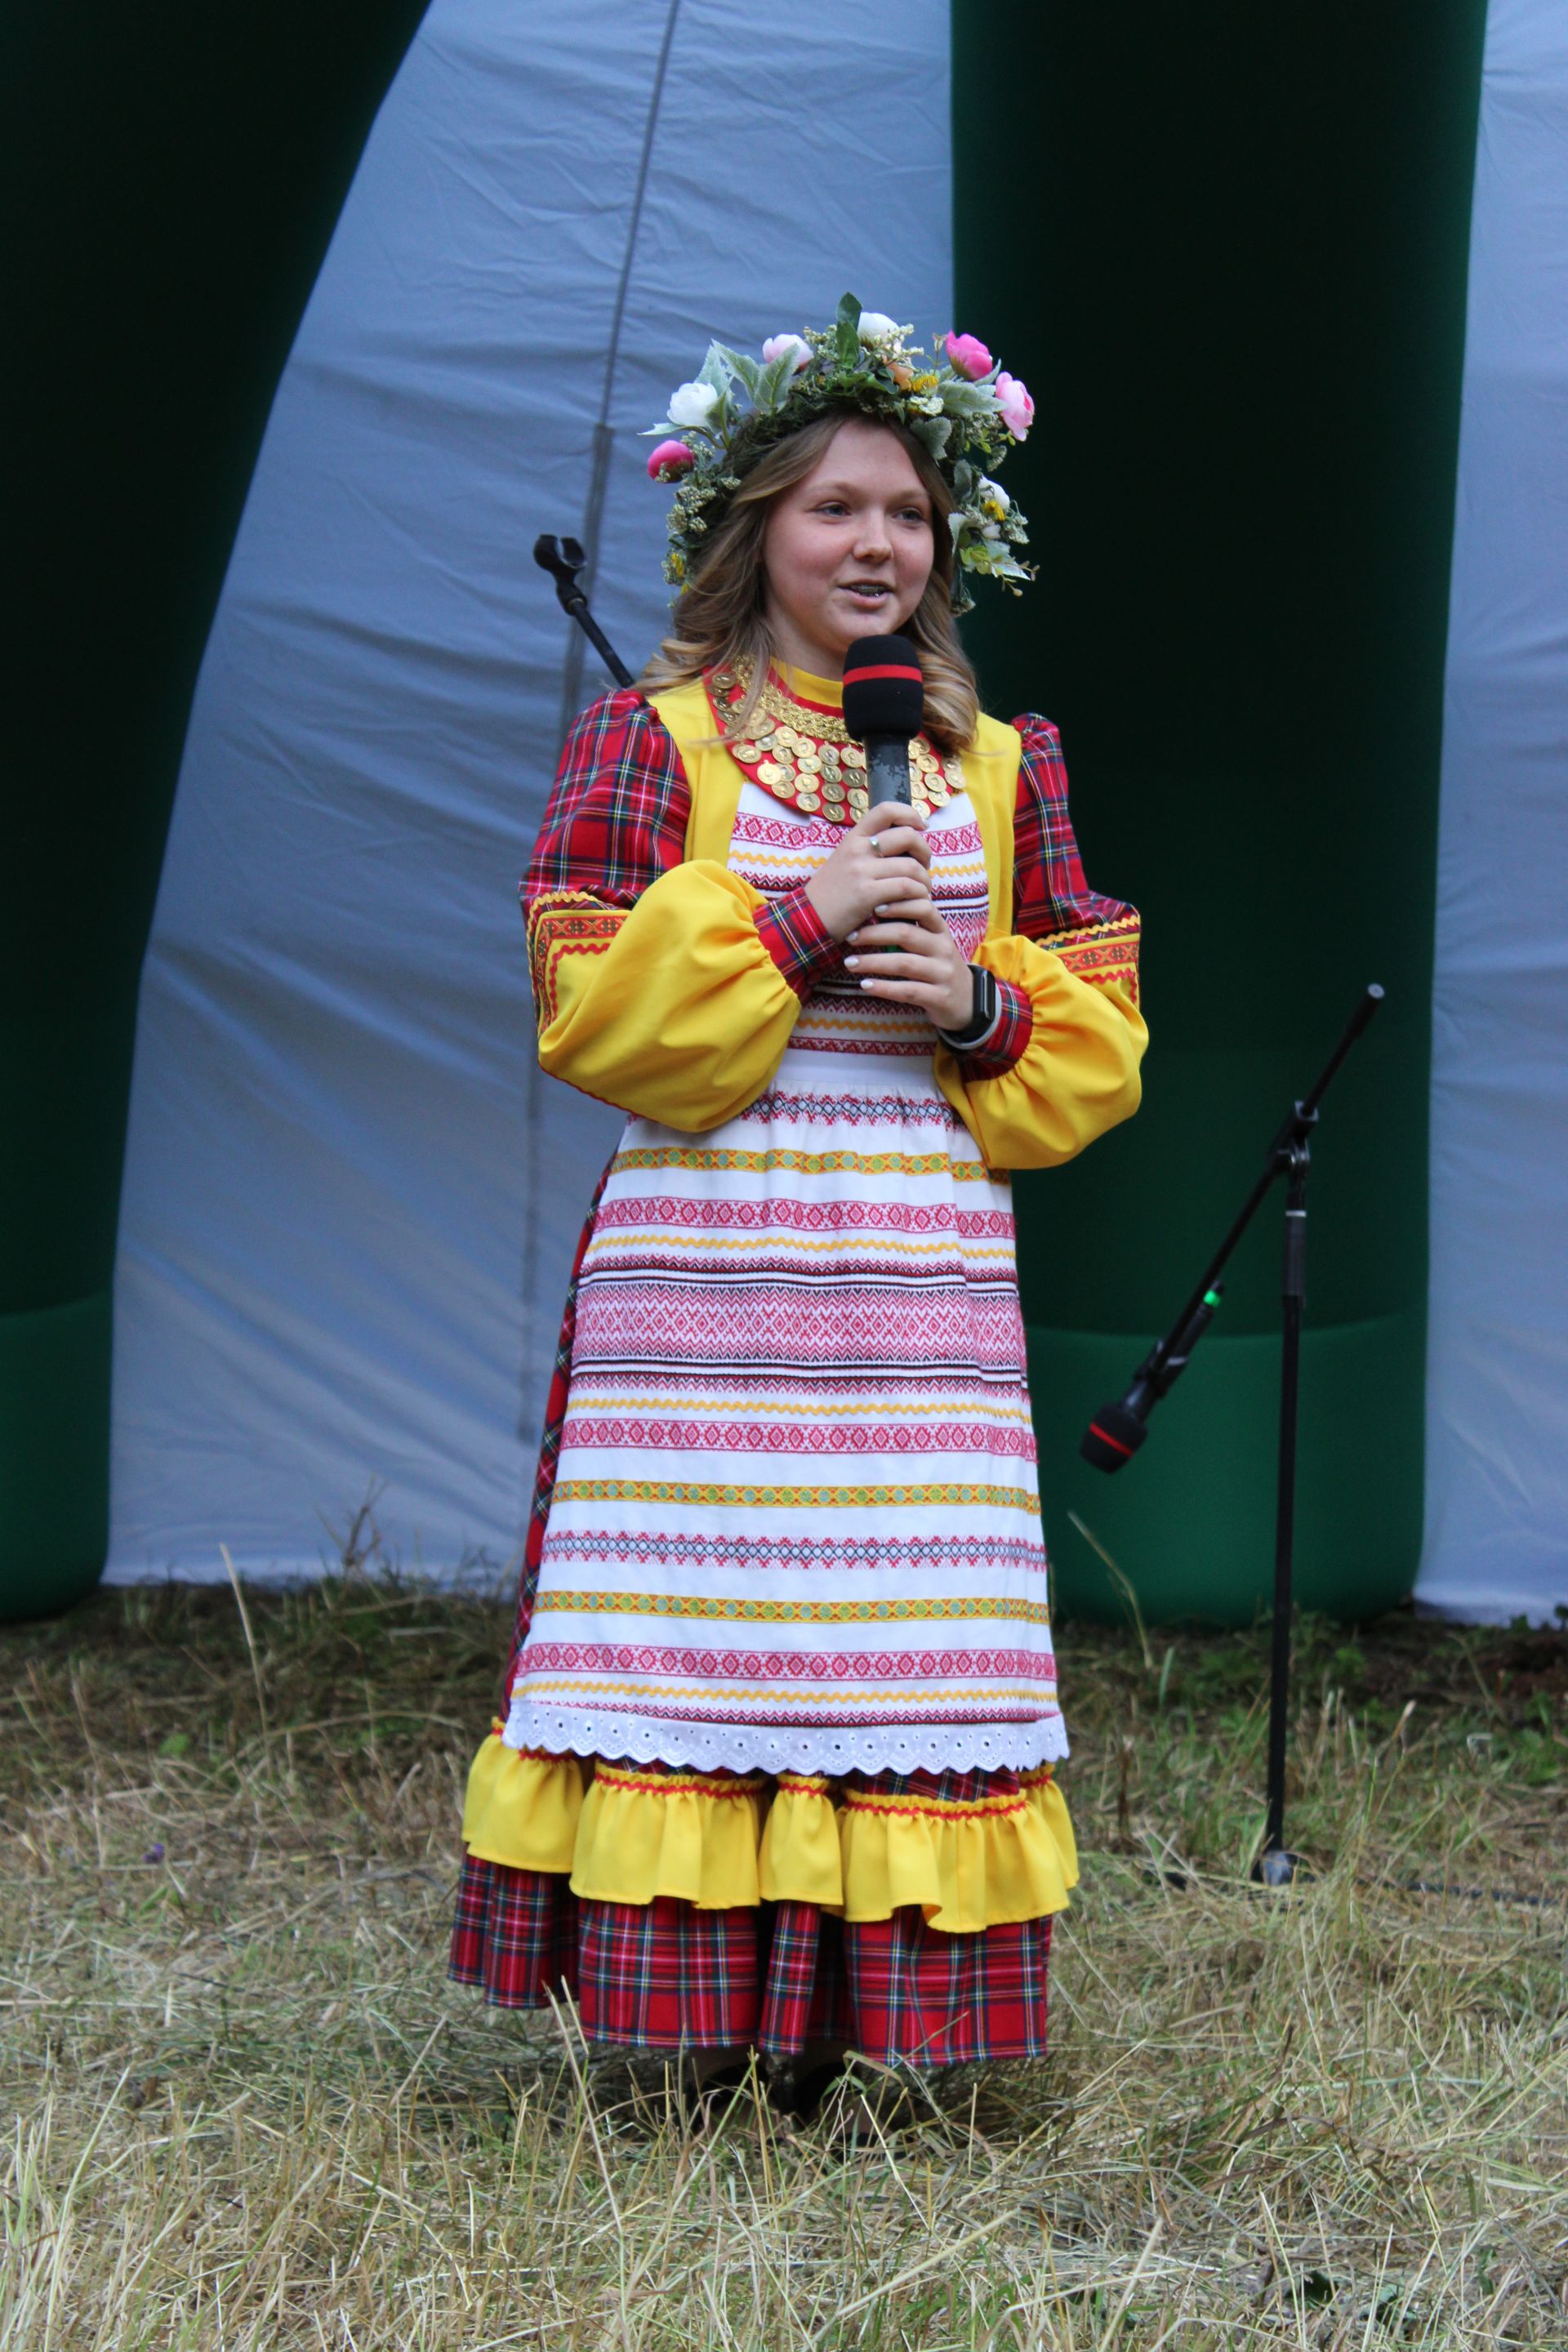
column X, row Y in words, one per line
column 248, row 2112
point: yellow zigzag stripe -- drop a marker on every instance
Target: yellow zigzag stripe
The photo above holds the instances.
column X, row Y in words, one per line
column 535, row 1686
column 790, row 1612
column 727, row 1244
column 805, row 1163
column 795, row 1498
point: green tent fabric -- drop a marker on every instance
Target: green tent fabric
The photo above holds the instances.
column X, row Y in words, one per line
column 1228, row 248
column 175, row 173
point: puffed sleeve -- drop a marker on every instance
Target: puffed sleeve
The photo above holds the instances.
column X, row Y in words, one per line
column 1060, row 1064
column 667, row 987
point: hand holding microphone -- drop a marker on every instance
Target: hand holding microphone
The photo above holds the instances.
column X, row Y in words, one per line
column 881, row 861
column 875, row 881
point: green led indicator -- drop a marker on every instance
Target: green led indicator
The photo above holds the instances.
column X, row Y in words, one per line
column 1211, row 1299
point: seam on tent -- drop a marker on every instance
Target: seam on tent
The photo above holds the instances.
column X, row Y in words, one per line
column 537, row 1347
column 598, row 479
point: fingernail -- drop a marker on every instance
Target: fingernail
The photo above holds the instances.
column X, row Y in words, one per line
column 882, row 910
column 867, row 983
column 850, row 962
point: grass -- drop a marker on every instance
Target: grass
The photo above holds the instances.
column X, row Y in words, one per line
column 247, row 2110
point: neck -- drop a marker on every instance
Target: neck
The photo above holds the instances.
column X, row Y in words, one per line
column 793, row 647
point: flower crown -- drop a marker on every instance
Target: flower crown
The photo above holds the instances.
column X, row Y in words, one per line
column 964, row 409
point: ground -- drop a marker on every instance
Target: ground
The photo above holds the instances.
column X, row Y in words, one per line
column 249, row 2110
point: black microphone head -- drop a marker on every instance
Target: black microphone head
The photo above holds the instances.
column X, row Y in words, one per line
column 884, row 691
column 1112, row 1437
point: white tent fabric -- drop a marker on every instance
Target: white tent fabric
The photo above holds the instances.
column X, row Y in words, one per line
column 1497, row 1388
column 350, row 1199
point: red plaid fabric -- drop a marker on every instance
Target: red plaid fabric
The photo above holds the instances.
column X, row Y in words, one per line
column 798, row 941
column 1051, row 892
column 1006, row 1039
column 616, row 820
column 618, row 812
column 933, row 2000
column 515, row 1932
column 807, row 1997
column 666, row 1976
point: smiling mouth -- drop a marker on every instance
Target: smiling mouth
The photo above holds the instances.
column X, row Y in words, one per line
column 866, row 592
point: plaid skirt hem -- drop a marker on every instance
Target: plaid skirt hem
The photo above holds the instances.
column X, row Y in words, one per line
column 666, row 1976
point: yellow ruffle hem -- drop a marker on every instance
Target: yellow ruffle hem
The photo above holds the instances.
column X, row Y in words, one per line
column 723, row 1841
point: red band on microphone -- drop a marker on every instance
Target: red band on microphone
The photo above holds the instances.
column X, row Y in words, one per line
column 888, row 669
column 1106, row 1439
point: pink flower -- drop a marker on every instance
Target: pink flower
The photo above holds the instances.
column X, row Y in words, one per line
column 776, row 346
column 669, row 460
column 1017, row 409
column 969, row 356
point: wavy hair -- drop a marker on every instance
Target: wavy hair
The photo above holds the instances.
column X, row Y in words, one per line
column 717, row 621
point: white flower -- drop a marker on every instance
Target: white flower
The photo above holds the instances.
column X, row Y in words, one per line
column 776, row 346
column 692, row 404
column 875, row 326
column 993, row 496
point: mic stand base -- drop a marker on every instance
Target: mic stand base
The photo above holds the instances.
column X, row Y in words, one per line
column 1275, row 1866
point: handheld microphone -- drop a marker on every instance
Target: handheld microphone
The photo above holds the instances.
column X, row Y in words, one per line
column 884, row 703
column 1119, row 1429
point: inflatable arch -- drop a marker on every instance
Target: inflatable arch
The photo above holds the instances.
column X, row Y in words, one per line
column 1232, row 252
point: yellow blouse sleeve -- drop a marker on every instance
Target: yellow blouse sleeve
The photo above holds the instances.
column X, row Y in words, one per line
column 1078, row 1072
column 672, row 1009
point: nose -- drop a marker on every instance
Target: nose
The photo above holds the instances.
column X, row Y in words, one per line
column 873, row 541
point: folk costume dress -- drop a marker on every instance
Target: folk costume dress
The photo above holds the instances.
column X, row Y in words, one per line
column 781, row 1713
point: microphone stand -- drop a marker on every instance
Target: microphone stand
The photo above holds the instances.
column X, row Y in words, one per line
column 564, row 559
column 1290, row 1157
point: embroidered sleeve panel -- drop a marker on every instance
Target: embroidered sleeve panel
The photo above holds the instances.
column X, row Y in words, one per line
column 1106, row 954
column 563, row 923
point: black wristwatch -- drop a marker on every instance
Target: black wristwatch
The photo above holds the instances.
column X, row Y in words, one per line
column 982, row 1019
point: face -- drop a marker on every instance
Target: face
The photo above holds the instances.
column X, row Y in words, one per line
column 847, row 551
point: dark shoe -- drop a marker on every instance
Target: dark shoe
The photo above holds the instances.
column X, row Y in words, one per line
column 800, row 2095
column 705, row 2097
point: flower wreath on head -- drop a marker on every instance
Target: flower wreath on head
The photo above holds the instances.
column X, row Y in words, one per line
column 967, row 410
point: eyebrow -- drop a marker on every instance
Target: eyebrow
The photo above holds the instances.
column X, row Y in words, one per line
column 849, row 490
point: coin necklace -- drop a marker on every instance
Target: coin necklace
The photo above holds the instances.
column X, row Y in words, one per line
column 809, row 759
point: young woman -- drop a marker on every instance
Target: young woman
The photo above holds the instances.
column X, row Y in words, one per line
column 775, row 1770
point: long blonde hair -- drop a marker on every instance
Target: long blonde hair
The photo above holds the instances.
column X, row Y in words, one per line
column 717, row 621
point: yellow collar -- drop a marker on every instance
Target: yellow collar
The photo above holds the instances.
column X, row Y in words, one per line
column 826, row 693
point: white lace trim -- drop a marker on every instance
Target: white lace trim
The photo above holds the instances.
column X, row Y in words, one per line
column 777, row 1748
